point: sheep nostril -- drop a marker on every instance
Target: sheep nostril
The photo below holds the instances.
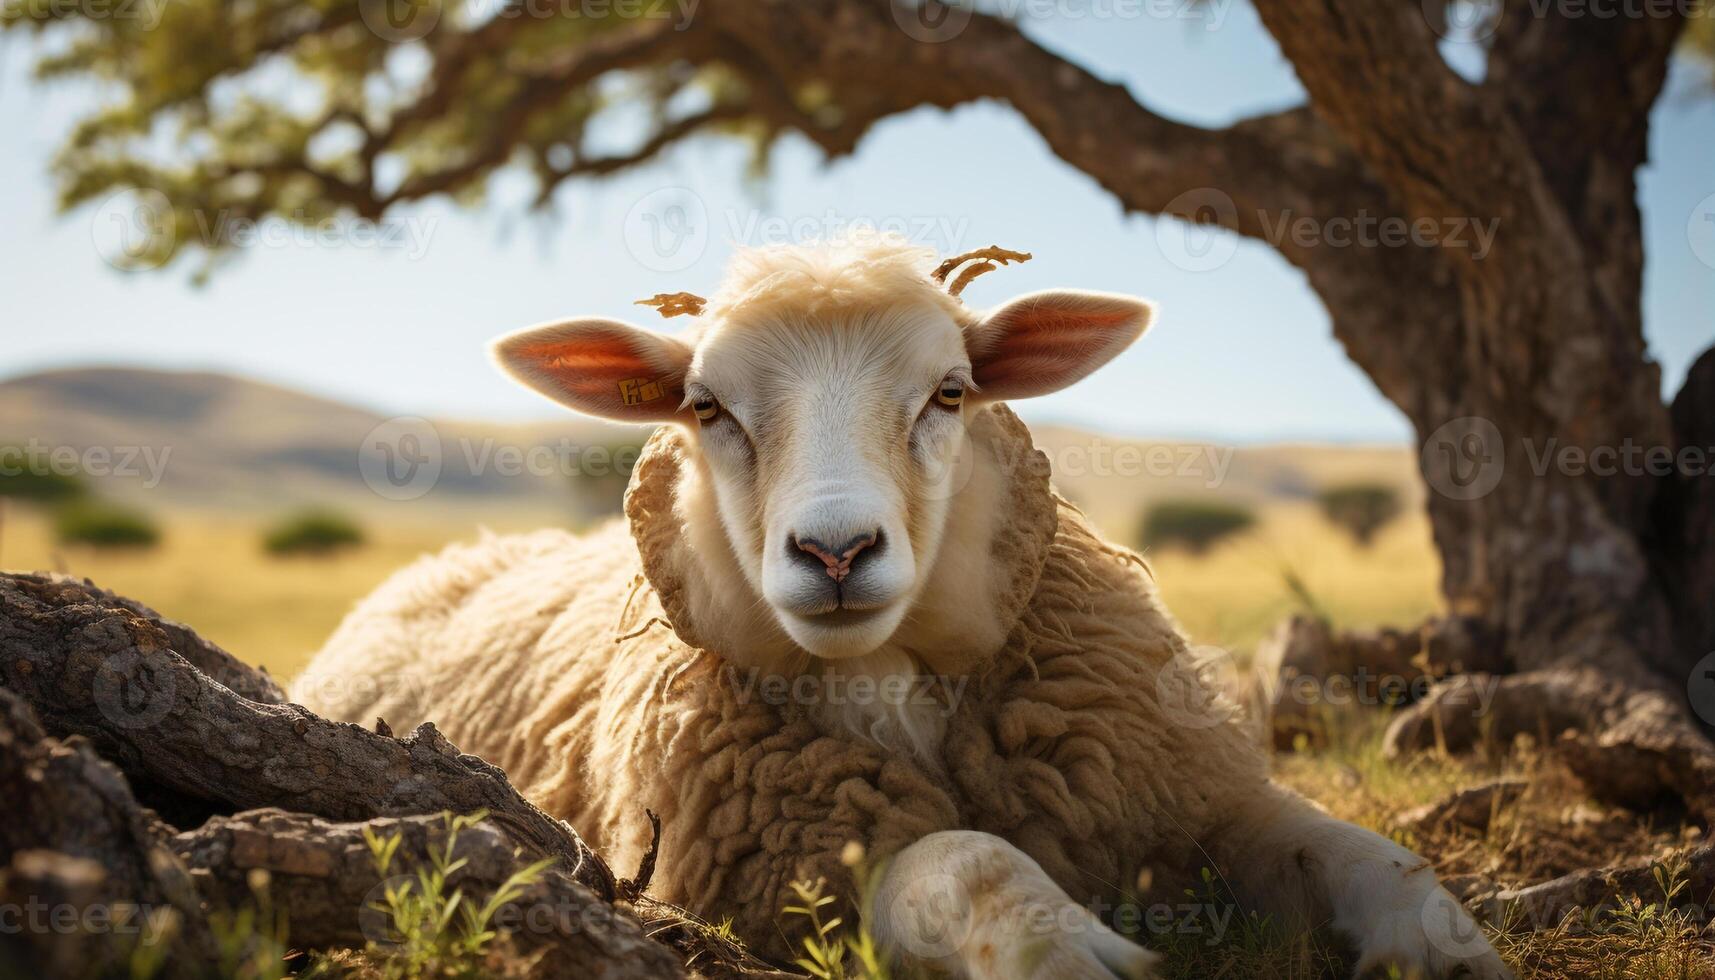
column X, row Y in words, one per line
column 836, row 562
column 867, row 545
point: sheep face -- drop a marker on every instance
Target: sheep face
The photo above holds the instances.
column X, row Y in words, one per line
column 827, row 395
column 829, row 443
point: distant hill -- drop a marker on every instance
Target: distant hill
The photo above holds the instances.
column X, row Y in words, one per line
column 235, row 444
column 229, row 443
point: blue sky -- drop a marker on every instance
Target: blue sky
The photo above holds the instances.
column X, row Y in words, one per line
column 1241, row 352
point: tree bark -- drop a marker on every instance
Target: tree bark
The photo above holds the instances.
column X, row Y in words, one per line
column 94, row 693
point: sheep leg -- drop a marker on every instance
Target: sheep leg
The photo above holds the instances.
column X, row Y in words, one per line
column 976, row 906
column 1289, row 860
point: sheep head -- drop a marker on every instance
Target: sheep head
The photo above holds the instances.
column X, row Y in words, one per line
column 826, row 393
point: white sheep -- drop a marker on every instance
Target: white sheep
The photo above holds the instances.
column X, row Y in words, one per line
column 847, row 606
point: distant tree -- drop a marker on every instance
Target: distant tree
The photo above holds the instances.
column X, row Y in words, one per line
column 1193, row 524
column 38, row 485
column 1360, row 508
column 104, row 525
column 312, row 532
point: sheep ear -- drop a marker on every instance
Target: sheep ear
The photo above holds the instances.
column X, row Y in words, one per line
column 600, row 367
column 1044, row 341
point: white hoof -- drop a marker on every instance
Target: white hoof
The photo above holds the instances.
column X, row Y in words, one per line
column 1431, row 937
column 975, row 906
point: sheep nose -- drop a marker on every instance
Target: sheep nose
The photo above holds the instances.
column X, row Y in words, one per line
column 837, row 561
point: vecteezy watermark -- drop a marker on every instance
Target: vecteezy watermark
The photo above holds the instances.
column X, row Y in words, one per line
column 1191, row 688
column 400, row 459
column 952, row 464
column 1476, row 21
column 404, row 458
column 1700, row 231
column 668, row 229
column 35, row 915
column 1371, row 689
column 1463, row 21
column 933, row 22
column 139, row 229
column 833, row 689
column 1700, row 688
column 36, row 458
column 401, row 21
column 1202, row 241
column 147, row 13
column 1464, row 459
column 134, row 689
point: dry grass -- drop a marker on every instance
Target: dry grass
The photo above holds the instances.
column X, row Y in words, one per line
column 213, row 573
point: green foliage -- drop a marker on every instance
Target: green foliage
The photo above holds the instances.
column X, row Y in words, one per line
column 436, row 930
column 36, row 484
column 104, row 525
column 1193, row 524
column 1360, row 508
column 312, row 532
column 226, row 118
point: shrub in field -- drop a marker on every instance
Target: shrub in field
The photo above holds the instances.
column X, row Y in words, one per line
column 315, row 532
column 1360, row 508
column 104, row 526
column 38, row 485
column 1192, row 524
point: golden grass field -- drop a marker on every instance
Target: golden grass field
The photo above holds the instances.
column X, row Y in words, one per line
column 212, row 573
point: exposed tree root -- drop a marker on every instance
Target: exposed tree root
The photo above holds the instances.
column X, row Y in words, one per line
column 84, row 672
column 1633, row 746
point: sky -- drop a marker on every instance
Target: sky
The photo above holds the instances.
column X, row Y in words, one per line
column 398, row 322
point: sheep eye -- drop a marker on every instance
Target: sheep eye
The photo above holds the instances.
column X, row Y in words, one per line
column 950, row 394
column 705, row 408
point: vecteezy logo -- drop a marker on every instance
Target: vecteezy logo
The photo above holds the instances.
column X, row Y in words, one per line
column 1190, row 688
column 930, row 21
column 1463, row 21
column 133, row 692
column 1199, row 239
column 668, row 229
column 1449, row 929
column 1700, row 231
column 1700, row 687
column 375, row 914
column 400, row 20
column 933, row 916
column 133, row 230
column 400, row 459
column 1465, row 458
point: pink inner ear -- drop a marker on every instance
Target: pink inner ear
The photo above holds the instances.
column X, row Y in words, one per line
column 1045, row 344
column 609, row 371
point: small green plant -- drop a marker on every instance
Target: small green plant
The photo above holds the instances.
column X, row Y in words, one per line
column 437, row 930
column 1193, row 524
column 312, row 532
column 828, row 953
column 1361, row 509
column 103, row 525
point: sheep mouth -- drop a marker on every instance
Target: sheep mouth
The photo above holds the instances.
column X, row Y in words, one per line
column 845, row 616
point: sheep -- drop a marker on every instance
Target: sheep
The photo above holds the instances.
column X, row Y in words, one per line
column 845, row 605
